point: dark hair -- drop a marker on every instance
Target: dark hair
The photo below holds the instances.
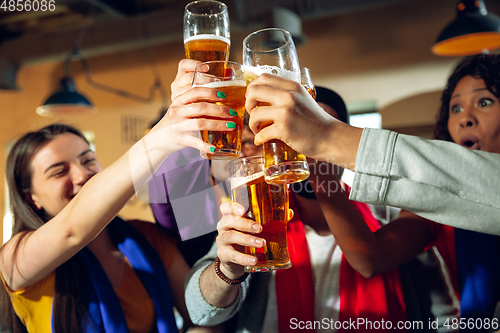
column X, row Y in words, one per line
column 486, row 67
column 71, row 281
column 333, row 100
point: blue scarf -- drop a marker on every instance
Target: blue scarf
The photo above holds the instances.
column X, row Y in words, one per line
column 105, row 312
column 478, row 267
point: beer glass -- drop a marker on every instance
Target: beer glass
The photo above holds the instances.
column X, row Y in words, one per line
column 266, row 204
column 272, row 51
column 206, row 31
column 307, row 82
column 229, row 78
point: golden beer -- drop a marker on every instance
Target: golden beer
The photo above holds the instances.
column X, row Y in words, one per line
column 283, row 164
column 227, row 143
column 312, row 92
column 307, row 83
column 207, row 48
column 278, row 156
column 267, row 205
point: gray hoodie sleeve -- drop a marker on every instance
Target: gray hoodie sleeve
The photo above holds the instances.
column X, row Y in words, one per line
column 200, row 311
column 438, row 180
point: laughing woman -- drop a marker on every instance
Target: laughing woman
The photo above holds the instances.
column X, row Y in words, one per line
column 72, row 265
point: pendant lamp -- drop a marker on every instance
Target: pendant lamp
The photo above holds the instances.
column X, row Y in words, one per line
column 474, row 31
column 66, row 100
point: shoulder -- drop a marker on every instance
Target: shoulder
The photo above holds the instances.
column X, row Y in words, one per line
column 8, row 255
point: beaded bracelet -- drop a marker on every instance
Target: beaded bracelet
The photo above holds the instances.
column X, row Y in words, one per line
column 224, row 277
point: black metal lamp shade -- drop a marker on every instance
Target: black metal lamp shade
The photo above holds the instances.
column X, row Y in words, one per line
column 66, row 100
column 474, row 31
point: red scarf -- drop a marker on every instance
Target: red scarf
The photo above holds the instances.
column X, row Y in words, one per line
column 295, row 286
column 376, row 299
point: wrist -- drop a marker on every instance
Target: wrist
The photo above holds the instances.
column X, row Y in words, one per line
column 222, row 276
column 342, row 144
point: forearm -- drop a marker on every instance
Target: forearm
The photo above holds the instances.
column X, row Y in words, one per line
column 105, row 194
column 78, row 223
column 370, row 250
column 359, row 245
column 200, row 310
column 215, row 291
column 429, row 178
column 340, row 145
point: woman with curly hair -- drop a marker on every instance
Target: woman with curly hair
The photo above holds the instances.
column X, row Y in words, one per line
column 470, row 117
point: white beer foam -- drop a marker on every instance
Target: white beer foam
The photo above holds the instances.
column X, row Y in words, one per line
column 207, row 36
column 239, row 181
column 273, row 70
column 219, row 84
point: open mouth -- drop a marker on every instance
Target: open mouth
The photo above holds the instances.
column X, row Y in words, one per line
column 470, row 143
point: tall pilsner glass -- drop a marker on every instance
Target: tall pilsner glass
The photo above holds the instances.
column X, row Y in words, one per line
column 272, row 51
column 266, row 204
column 228, row 77
column 206, row 31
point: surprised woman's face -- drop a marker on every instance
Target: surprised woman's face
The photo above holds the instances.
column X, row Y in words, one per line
column 474, row 116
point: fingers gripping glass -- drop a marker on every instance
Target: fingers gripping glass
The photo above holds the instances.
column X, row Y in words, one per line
column 272, row 51
column 229, row 78
column 267, row 204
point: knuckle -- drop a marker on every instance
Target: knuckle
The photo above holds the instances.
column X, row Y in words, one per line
column 172, row 113
column 219, row 242
column 227, row 235
column 234, row 256
column 222, row 224
column 222, row 109
column 288, row 97
column 201, row 123
column 220, row 254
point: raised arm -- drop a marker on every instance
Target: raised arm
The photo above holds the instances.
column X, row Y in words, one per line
column 370, row 253
column 427, row 177
column 30, row 256
column 431, row 178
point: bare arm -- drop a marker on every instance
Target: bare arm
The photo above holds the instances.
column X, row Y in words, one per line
column 214, row 290
column 370, row 253
column 26, row 260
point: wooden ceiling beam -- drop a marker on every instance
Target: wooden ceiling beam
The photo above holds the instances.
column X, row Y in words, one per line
column 100, row 38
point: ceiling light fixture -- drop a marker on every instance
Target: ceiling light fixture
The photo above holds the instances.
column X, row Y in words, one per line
column 474, row 31
column 66, row 100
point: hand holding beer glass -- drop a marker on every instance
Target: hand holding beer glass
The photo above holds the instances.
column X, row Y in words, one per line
column 266, row 204
column 206, row 31
column 229, row 79
column 272, row 51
